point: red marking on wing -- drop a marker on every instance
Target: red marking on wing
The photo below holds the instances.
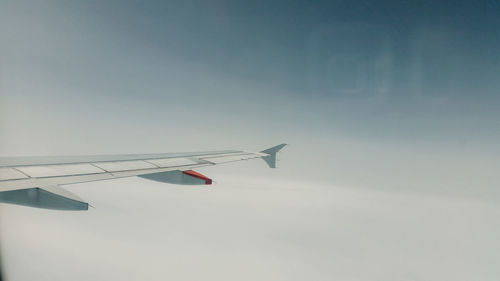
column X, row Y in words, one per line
column 198, row 175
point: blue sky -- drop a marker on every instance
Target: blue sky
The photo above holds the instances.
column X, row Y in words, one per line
column 392, row 68
column 374, row 78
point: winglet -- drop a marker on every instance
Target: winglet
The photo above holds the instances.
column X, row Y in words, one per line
column 271, row 158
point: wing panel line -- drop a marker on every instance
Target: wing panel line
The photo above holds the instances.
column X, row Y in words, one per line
column 14, row 168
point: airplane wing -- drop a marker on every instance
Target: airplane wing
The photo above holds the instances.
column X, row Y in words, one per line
column 36, row 181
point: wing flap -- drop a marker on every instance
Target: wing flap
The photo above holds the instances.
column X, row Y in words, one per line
column 53, row 197
column 232, row 158
column 172, row 162
column 59, row 170
column 124, row 165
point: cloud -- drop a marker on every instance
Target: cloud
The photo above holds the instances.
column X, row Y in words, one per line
column 247, row 229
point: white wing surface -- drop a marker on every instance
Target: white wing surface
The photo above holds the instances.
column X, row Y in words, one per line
column 36, row 181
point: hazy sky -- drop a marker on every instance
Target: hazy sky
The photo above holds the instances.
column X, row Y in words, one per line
column 390, row 107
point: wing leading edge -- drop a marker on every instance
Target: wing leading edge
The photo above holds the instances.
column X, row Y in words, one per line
column 35, row 182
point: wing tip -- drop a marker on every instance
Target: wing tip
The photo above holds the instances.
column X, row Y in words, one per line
column 271, row 158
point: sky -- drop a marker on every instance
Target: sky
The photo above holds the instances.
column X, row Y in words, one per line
column 390, row 109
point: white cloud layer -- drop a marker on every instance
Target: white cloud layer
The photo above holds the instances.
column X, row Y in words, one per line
column 246, row 228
